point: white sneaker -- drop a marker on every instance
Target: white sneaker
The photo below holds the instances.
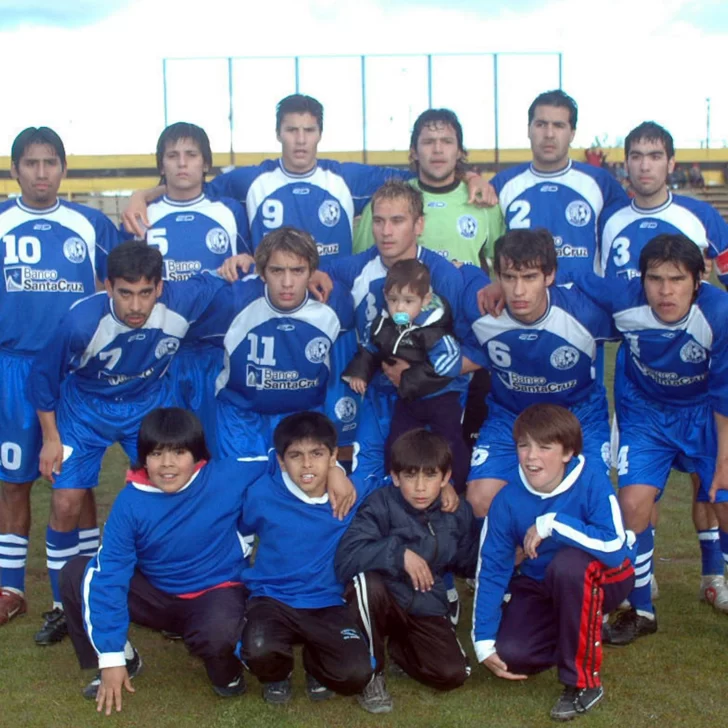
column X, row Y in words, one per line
column 714, row 590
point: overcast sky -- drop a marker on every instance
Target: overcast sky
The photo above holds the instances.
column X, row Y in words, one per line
column 93, row 70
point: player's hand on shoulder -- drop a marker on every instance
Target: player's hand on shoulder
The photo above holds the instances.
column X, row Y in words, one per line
column 135, row 217
column 449, row 499
column 342, row 493
column 491, row 300
column 51, row 459
column 500, row 669
column 232, row 267
column 418, row 571
column 358, row 385
column 320, row 286
column 480, row 192
column 108, row 697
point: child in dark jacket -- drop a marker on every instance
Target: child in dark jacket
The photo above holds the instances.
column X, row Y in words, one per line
column 417, row 328
column 397, row 550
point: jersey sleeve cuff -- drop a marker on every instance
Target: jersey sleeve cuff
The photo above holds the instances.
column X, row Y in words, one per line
column 484, row 649
column 545, row 524
column 111, row 659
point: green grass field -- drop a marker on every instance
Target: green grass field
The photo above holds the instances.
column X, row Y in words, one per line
column 677, row 677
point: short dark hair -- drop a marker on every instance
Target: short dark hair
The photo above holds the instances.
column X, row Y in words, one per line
column 650, row 131
column 300, row 426
column 289, row 240
column 398, row 189
column 134, row 260
column 300, row 104
column 171, row 428
column 555, row 98
column 184, row 130
column 673, row 248
column 524, row 248
column 547, row 423
column 37, row 135
column 410, row 273
column 420, row 450
column 430, row 119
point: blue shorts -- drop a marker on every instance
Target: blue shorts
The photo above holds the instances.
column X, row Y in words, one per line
column 655, row 437
column 495, row 455
column 243, row 433
column 192, row 376
column 376, row 417
column 342, row 403
column 20, row 435
column 89, row 425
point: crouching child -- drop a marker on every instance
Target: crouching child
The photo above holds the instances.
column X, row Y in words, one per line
column 395, row 554
column 170, row 560
column 563, row 512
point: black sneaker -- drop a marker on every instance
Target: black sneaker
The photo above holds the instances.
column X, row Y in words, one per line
column 627, row 627
column 278, row 693
column 54, row 628
column 574, row 701
column 133, row 668
column 232, row 689
column 316, row 691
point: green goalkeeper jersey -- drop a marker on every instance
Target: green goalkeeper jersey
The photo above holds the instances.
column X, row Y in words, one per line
column 453, row 228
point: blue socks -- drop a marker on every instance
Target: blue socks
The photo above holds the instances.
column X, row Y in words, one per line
column 640, row 597
column 61, row 546
column 13, row 555
column 710, row 552
column 88, row 541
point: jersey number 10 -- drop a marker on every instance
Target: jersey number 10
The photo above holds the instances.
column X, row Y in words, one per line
column 25, row 249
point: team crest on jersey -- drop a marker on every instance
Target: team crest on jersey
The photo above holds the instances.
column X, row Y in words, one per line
column 217, row 241
column 329, row 213
column 467, row 226
column 166, row 346
column 75, row 250
column 479, row 456
column 345, row 409
column 578, row 213
column 606, row 453
column 564, row 357
column 317, row 350
column 693, row 353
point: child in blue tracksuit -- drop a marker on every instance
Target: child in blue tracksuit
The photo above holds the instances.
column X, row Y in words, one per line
column 578, row 563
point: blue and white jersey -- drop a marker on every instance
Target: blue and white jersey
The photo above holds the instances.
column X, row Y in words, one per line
column 276, row 360
column 183, row 543
column 626, row 229
column 323, row 201
column 103, row 357
column 581, row 512
column 568, row 203
column 297, row 540
column 51, row 259
column 196, row 235
column 550, row 360
column 684, row 364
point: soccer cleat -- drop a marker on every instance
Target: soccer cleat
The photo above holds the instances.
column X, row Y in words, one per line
column 133, row 668
column 627, row 627
column 54, row 628
column 316, row 691
column 12, row 605
column 232, row 689
column 714, row 590
column 375, row 698
column 279, row 692
column 575, row 701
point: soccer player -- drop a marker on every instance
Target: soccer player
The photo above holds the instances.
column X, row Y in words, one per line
column 294, row 595
column 671, row 398
column 417, row 328
column 54, row 252
column 194, row 233
column 625, row 230
column 171, row 559
column 552, row 191
column 563, row 512
column 397, row 550
column 99, row 374
column 454, row 228
column 541, row 349
column 398, row 219
column 277, row 342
